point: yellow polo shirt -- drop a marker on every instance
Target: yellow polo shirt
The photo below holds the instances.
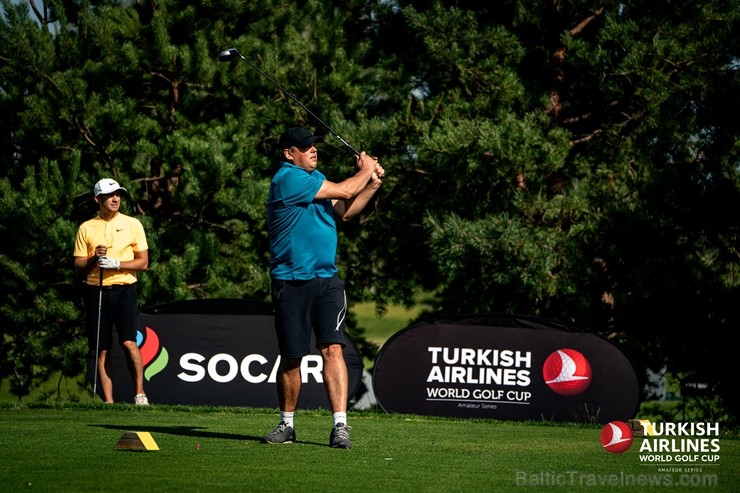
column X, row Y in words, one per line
column 123, row 235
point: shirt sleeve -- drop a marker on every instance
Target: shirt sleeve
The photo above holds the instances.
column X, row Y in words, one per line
column 81, row 249
column 299, row 187
column 139, row 243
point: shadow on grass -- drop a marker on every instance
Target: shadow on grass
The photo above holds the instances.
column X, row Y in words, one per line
column 188, row 431
column 196, row 432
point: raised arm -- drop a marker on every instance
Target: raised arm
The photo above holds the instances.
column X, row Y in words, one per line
column 352, row 186
column 346, row 209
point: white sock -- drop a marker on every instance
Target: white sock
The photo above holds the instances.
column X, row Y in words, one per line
column 339, row 418
column 287, row 418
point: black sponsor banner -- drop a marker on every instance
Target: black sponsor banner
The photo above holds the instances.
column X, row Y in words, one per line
column 505, row 367
column 218, row 353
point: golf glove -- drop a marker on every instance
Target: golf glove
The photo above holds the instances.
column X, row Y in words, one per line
column 109, row 263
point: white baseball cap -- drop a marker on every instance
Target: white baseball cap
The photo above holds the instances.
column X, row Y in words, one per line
column 106, row 186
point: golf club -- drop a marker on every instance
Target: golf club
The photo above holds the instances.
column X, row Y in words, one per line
column 97, row 336
column 232, row 53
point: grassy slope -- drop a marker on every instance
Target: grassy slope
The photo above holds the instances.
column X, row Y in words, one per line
column 380, row 329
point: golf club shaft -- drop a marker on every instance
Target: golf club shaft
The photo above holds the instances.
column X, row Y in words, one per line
column 229, row 54
column 97, row 335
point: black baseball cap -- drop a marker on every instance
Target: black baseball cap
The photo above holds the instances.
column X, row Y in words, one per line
column 298, row 137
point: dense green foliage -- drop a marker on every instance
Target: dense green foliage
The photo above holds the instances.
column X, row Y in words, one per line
column 543, row 158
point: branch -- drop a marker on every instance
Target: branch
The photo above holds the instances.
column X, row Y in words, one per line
column 174, row 88
column 42, row 19
column 585, row 22
column 559, row 57
column 585, row 138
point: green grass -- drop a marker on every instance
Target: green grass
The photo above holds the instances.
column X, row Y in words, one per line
column 379, row 329
column 71, row 447
column 47, row 446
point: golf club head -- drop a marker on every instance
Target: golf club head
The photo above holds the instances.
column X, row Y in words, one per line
column 227, row 55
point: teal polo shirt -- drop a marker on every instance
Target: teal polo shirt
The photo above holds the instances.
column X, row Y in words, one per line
column 303, row 234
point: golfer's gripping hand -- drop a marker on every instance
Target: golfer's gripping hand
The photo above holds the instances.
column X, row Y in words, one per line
column 109, row 263
column 366, row 161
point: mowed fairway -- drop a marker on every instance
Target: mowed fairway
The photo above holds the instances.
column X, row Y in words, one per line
column 71, row 447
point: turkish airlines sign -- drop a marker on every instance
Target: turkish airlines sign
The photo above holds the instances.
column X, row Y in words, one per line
column 219, row 353
column 505, row 367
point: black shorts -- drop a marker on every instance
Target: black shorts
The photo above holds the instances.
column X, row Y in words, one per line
column 118, row 308
column 319, row 304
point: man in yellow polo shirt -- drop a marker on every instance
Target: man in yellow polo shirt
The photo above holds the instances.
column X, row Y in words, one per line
column 109, row 250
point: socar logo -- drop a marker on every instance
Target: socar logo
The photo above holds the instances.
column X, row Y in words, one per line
column 154, row 357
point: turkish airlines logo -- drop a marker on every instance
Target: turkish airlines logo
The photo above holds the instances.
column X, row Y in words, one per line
column 616, row 437
column 567, row 372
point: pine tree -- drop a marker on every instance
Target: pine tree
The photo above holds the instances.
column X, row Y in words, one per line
column 565, row 160
column 577, row 164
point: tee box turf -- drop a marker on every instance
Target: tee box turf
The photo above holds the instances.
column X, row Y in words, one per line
column 137, row 440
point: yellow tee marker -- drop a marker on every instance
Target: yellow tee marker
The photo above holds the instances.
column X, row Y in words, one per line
column 137, row 440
